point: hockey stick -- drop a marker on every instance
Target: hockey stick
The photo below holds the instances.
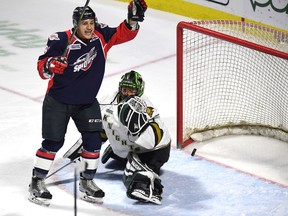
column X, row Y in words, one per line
column 75, row 192
column 75, row 29
column 72, row 161
column 72, row 154
column 78, row 169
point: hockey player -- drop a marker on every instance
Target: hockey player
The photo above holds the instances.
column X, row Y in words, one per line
column 74, row 82
column 136, row 133
column 137, row 137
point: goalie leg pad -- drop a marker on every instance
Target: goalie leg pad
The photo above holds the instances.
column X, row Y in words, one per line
column 108, row 153
column 141, row 182
column 141, row 187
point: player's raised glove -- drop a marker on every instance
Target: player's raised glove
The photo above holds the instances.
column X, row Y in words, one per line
column 56, row 65
column 136, row 10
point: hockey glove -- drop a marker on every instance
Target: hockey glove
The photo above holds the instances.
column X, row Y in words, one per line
column 136, row 10
column 133, row 116
column 56, row 65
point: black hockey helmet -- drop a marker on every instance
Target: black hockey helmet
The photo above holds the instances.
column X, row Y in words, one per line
column 88, row 14
column 134, row 80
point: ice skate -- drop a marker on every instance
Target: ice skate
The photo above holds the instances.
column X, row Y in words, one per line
column 89, row 191
column 38, row 192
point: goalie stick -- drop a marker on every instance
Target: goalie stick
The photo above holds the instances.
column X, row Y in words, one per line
column 75, row 29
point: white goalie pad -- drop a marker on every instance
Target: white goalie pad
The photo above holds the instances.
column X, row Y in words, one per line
column 141, row 182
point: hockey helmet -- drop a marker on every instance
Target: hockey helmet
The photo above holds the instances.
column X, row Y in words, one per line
column 88, row 14
column 133, row 80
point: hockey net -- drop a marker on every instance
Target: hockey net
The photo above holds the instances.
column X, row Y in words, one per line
column 231, row 79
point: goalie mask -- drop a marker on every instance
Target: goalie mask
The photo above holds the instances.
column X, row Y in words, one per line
column 88, row 14
column 132, row 114
column 131, row 80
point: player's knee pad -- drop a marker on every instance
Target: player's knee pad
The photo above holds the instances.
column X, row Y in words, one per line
column 92, row 141
column 52, row 146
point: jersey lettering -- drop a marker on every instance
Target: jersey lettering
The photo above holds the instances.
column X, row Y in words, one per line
column 85, row 61
column 113, row 132
column 117, row 137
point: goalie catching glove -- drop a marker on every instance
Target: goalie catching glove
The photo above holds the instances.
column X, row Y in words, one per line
column 56, row 65
column 136, row 10
column 133, row 115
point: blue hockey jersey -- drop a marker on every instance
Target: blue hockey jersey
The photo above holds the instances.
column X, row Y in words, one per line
column 81, row 80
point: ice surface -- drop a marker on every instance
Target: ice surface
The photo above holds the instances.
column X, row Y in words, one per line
column 214, row 182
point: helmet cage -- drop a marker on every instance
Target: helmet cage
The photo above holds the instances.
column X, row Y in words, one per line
column 133, row 80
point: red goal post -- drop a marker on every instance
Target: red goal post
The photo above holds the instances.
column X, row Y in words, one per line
column 232, row 78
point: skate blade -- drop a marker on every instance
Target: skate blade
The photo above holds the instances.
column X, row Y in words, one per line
column 91, row 199
column 142, row 197
column 39, row 200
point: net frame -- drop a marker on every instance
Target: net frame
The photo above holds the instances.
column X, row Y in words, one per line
column 252, row 36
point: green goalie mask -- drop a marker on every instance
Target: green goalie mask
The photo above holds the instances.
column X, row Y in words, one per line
column 132, row 80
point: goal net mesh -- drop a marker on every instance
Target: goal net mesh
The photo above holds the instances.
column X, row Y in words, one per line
column 229, row 88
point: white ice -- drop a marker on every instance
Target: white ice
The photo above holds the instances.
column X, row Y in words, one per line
column 235, row 175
